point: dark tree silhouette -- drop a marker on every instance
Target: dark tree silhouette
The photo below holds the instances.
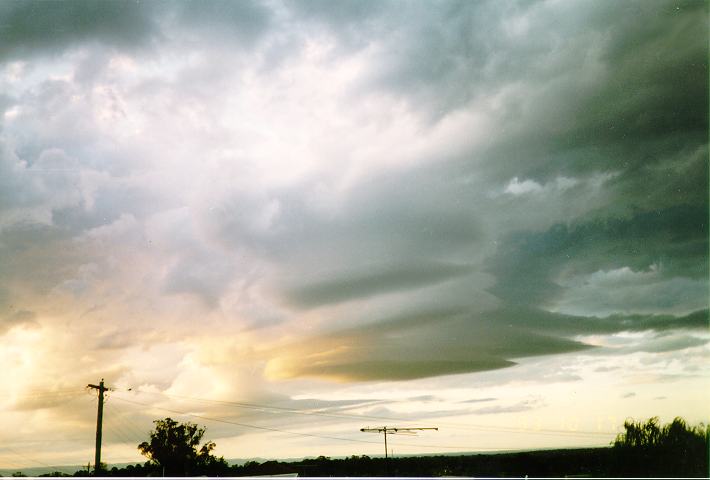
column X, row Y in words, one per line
column 174, row 449
column 650, row 449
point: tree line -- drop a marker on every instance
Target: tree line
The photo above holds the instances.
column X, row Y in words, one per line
column 644, row 449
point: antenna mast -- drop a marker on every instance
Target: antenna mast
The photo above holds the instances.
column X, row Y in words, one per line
column 395, row 430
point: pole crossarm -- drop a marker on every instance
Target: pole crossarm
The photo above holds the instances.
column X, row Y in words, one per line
column 101, row 389
column 394, row 431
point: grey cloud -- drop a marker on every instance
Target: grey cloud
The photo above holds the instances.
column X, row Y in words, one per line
column 118, row 339
column 400, row 370
column 38, row 27
column 28, row 261
column 50, row 181
column 579, row 94
column 457, row 344
column 396, row 215
column 113, row 199
column 343, row 14
column 386, row 413
column 589, row 72
column 670, row 343
column 527, row 262
column 59, row 115
column 673, row 344
column 382, row 349
column 28, row 27
column 607, row 369
column 391, row 233
column 560, row 324
column 243, row 21
column 13, row 319
column 477, row 400
column 522, row 406
column 201, row 275
column 424, row 398
column 619, row 98
column 401, row 213
column 455, row 63
column 48, row 400
column 376, row 280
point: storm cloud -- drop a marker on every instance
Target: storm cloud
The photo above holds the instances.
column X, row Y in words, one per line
column 262, row 197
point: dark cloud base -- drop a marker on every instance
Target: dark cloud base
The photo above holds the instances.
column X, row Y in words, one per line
column 459, row 343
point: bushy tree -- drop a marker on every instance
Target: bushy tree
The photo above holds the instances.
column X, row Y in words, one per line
column 174, row 449
column 651, row 449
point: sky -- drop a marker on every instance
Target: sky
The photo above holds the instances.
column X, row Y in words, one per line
column 288, row 220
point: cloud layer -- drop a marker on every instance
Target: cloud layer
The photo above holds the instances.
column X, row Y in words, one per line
column 252, row 195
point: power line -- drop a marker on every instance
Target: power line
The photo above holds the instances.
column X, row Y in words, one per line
column 458, row 426
column 34, row 460
column 245, row 425
column 115, row 428
column 313, row 435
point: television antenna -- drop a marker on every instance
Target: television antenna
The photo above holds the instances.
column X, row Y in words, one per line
column 395, row 431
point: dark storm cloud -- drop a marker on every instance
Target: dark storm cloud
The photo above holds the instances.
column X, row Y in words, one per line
column 447, row 343
column 597, row 97
column 620, row 88
column 407, row 369
column 560, row 324
column 395, row 232
column 578, row 90
column 526, row 263
column 373, row 282
column 454, row 63
column 451, row 342
column 671, row 344
column 28, row 27
column 590, row 72
column 38, row 27
column 243, row 21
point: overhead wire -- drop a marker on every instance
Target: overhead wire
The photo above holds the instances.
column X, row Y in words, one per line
column 240, row 424
column 124, row 432
column 289, row 432
column 129, row 424
column 34, row 460
column 459, row 426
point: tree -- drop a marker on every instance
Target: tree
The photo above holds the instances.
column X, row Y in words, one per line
column 674, row 449
column 174, row 449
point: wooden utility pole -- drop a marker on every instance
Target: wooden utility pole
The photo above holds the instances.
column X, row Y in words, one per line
column 99, row 421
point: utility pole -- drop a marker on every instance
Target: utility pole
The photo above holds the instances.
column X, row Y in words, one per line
column 99, row 421
column 394, row 431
